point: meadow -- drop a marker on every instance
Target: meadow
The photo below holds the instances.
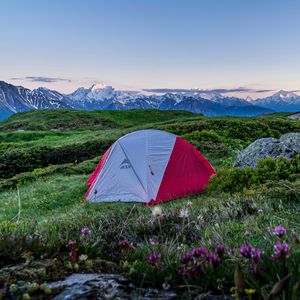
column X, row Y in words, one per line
column 240, row 237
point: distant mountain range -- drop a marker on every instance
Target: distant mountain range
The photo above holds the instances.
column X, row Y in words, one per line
column 15, row 99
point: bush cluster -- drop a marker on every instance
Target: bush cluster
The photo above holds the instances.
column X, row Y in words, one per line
column 15, row 161
column 268, row 169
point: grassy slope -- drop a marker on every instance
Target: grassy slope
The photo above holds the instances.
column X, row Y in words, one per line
column 52, row 198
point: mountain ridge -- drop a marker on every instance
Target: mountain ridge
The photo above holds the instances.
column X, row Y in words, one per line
column 15, row 99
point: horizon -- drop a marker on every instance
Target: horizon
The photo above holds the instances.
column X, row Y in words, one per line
column 134, row 45
column 233, row 92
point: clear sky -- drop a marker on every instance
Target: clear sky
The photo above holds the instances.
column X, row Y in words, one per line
column 135, row 44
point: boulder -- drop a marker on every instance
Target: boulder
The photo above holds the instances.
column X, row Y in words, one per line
column 292, row 139
column 104, row 286
column 288, row 145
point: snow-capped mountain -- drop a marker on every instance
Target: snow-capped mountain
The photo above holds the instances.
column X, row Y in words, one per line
column 17, row 99
column 210, row 103
column 280, row 101
column 194, row 100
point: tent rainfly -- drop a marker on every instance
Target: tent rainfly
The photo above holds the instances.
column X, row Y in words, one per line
column 148, row 166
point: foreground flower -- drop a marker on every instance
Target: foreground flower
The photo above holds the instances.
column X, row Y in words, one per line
column 183, row 213
column 257, row 254
column 281, row 251
column 250, row 291
column 200, row 251
column 246, row 250
column 221, row 250
column 124, row 243
column 154, row 260
column 73, row 250
column 250, row 252
column 279, row 231
column 157, row 212
column 189, row 204
column 214, row 259
column 83, row 257
column 85, row 231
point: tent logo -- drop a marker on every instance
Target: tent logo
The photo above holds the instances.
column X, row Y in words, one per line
column 125, row 164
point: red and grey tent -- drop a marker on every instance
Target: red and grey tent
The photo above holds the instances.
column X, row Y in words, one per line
column 149, row 166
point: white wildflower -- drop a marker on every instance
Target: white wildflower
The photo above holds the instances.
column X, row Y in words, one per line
column 157, row 212
column 83, row 257
column 183, row 213
column 189, row 204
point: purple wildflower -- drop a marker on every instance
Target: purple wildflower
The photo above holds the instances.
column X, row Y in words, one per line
column 85, row 231
column 279, row 231
column 256, row 254
column 124, row 243
column 73, row 250
column 199, row 252
column 221, row 250
column 154, row 260
column 246, row 250
column 214, row 259
column 281, row 250
column 186, row 257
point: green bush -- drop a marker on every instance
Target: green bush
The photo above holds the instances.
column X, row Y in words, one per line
column 269, row 169
column 20, row 160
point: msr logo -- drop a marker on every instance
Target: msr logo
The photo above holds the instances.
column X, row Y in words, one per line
column 125, row 164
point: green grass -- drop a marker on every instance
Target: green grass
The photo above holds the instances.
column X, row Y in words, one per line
column 82, row 120
column 53, row 211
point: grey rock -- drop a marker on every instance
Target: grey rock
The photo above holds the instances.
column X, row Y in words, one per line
column 103, row 286
column 292, row 139
column 288, row 145
column 294, row 116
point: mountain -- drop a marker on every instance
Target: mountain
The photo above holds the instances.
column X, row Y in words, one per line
column 198, row 101
column 281, row 101
column 17, row 99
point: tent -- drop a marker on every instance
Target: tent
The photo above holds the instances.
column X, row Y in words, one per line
column 148, row 166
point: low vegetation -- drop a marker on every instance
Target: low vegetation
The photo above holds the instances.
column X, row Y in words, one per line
column 240, row 237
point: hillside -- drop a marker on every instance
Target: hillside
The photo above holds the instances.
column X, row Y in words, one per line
column 47, row 156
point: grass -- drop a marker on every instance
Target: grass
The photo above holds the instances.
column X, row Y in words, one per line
column 53, row 211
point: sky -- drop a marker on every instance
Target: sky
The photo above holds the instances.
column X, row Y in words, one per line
column 249, row 45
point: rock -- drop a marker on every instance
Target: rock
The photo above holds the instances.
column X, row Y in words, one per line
column 294, row 116
column 288, row 145
column 293, row 139
column 103, row 286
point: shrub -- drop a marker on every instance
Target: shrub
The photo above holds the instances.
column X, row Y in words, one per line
column 269, row 169
column 20, row 160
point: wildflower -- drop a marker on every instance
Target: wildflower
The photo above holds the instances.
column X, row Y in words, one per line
column 157, row 212
column 186, row 257
column 85, row 231
column 154, row 260
column 83, row 257
column 166, row 286
column 220, row 250
column 260, row 210
column 279, row 231
column 200, row 251
column 214, row 259
column 152, row 241
column 200, row 219
column 189, row 204
column 183, row 213
column 124, row 243
column 281, row 250
column 247, row 232
column 246, row 250
column 256, row 254
column 73, row 251
column 250, row 292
